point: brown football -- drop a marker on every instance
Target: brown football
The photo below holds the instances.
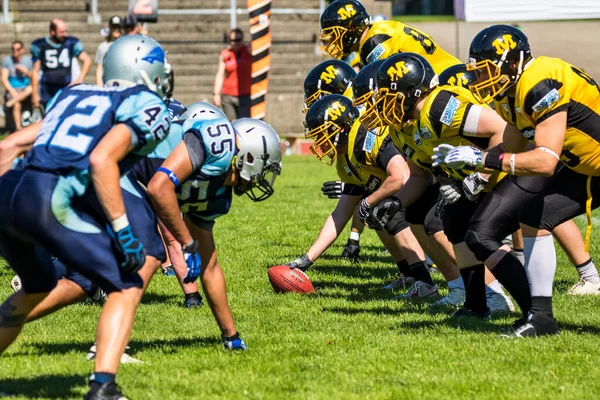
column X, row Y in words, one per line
column 284, row 279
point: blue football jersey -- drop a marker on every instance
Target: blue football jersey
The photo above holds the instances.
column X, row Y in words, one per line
column 211, row 146
column 77, row 119
column 56, row 59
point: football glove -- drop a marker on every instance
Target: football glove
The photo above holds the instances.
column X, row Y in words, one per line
column 473, row 185
column 234, row 342
column 303, row 263
column 131, row 249
column 451, row 192
column 457, row 157
column 383, row 212
column 333, row 189
column 351, row 250
column 363, row 210
column 193, row 261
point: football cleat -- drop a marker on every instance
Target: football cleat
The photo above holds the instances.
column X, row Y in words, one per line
column 584, row 287
column 420, row 289
column 499, row 303
column 464, row 312
column 402, row 282
column 168, row 270
column 455, row 298
column 15, row 283
column 193, row 302
column 125, row 358
column 106, row 391
column 351, row 250
column 535, row 325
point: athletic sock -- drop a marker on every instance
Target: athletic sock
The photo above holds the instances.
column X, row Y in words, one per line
column 102, row 377
column 420, row 272
column 540, row 263
column 355, row 236
column 520, row 254
column 192, row 295
column 512, row 275
column 456, row 283
column 474, row 281
column 542, row 305
column 404, row 268
column 493, row 287
column 588, row 272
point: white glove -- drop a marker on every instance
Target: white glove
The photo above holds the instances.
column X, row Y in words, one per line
column 473, row 185
column 457, row 157
column 451, row 192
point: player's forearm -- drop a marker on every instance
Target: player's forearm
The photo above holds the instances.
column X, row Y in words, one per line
column 164, row 202
column 533, row 162
column 329, row 233
column 17, row 144
column 99, row 75
column 105, row 177
column 219, row 79
column 85, row 68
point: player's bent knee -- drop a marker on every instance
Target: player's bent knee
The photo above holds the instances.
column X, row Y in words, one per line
column 481, row 246
column 397, row 223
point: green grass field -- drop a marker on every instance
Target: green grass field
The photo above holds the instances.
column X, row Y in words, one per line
column 348, row 340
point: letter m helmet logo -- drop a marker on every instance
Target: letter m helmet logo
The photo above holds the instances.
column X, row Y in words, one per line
column 335, row 111
column 397, row 71
column 505, row 43
column 329, row 74
column 346, row 12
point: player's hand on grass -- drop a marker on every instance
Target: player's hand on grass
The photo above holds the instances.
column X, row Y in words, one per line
column 302, row 263
column 193, row 261
column 234, row 342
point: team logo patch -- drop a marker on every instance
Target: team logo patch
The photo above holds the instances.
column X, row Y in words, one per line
column 348, row 170
column 408, row 151
column 425, row 133
column 529, row 133
column 450, row 111
column 417, row 139
column 505, row 43
column 546, row 101
column 335, row 111
column 397, row 71
column 375, row 53
column 373, row 183
column 156, row 54
column 329, row 74
column 518, row 110
column 346, row 12
column 369, row 142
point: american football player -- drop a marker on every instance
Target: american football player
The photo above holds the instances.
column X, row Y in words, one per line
column 346, row 26
column 555, row 104
column 373, row 171
column 115, row 126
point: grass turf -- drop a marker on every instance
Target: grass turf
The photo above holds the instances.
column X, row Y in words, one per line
column 349, row 340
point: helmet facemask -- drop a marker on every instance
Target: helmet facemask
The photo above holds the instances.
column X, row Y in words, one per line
column 333, row 39
column 370, row 118
column 492, row 79
column 325, row 139
column 257, row 175
column 314, row 97
column 390, row 107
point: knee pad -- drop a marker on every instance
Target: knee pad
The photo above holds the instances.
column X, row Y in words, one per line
column 397, row 223
column 482, row 248
column 433, row 224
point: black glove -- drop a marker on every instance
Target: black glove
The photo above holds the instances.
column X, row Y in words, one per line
column 364, row 209
column 303, row 263
column 333, row 189
column 351, row 250
column 383, row 212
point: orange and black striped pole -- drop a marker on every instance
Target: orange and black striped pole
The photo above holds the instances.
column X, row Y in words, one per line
column 260, row 30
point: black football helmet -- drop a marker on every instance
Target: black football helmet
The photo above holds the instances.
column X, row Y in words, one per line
column 498, row 55
column 363, row 92
column 342, row 24
column 328, row 123
column 329, row 77
column 458, row 75
column 401, row 80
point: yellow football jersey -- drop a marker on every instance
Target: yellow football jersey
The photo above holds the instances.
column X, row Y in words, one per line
column 403, row 139
column 359, row 167
column 551, row 85
column 386, row 38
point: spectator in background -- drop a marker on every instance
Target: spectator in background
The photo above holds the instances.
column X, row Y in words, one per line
column 52, row 56
column 16, row 78
column 234, row 77
column 130, row 25
column 114, row 32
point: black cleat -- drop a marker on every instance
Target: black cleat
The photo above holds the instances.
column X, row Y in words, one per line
column 351, row 250
column 465, row 312
column 535, row 325
column 106, row 391
column 193, row 301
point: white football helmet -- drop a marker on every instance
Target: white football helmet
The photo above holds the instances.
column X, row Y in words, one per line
column 200, row 109
column 258, row 159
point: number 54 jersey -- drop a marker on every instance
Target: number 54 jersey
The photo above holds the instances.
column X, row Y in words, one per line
column 78, row 117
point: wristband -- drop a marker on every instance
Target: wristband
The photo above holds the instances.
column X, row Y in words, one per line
column 172, row 177
column 512, row 164
column 549, row 151
column 494, row 161
column 120, row 223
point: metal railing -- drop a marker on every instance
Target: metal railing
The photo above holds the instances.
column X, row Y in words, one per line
column 233, row 11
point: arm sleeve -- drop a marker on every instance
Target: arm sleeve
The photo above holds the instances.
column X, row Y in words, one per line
column 387, row 151
column 195, row 147
column 447, row 115
column 353, row 190
column 77, row 48
column 35, row 52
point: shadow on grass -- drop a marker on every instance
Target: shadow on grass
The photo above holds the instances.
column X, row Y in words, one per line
column 46, row 386
column 150, row 298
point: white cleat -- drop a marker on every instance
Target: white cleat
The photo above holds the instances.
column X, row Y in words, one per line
column 15, row 283
column 420, row 289
column 584, row 287
column 455, row 298
column 125, row 358
column 499, row 303
column 401, row 283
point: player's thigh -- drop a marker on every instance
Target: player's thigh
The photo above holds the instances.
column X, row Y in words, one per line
column 456, row 219
column 417, row 212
